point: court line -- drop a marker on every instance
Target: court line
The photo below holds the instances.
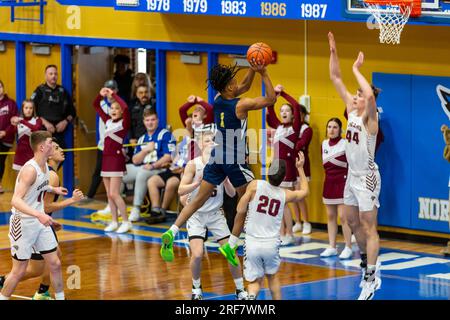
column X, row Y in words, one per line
column 297, row 284
column 21, row 297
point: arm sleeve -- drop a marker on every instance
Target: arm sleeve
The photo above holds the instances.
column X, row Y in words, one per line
column 209, row 111
column 99, row 110
column 183, row 111
column 296, row 106
column 10, row 129
column 345, row 114
column 36, row 96
column 303, row 142
column 33, row 127
column 272, row 119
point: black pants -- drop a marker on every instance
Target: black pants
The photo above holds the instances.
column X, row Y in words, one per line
column 229, row 207
column 59, row 136
column 3, row 148
column 96, row 178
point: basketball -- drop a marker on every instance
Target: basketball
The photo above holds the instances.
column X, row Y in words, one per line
column 261, row 52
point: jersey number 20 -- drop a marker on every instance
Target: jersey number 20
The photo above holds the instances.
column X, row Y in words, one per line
column 265, row 203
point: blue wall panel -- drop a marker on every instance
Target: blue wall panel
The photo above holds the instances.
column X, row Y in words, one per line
column 394, row 155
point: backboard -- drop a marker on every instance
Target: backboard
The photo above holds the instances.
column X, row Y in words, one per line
column 433, row 11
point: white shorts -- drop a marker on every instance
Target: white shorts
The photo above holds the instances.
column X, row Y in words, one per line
column 363, row 191
column 261, row 258
column 28, row 235
column 200, row 222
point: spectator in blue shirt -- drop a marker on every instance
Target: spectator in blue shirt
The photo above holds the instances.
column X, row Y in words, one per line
column 152, row 155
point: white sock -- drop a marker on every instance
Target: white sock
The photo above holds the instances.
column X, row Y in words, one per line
column 233, row 241
column 59, row 296
column 174, row 230
column 196, row 283
column 239, row 283
column 371, row 268
column 2, row 297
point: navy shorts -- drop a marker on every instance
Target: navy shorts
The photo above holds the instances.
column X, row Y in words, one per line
column 239, row 174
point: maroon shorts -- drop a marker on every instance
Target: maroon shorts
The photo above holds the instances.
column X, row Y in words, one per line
column 113, row 166
column 333, row 190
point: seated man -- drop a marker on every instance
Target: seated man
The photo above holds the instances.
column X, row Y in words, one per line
column 152, row 156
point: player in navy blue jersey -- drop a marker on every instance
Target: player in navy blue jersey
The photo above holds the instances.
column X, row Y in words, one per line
column 228, row 156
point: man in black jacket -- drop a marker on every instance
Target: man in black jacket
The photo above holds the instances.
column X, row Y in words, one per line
column 54, row 105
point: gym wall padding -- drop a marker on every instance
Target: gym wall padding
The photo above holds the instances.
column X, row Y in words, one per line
column 410, row 159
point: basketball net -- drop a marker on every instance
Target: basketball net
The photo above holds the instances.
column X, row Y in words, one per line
column 392, row 17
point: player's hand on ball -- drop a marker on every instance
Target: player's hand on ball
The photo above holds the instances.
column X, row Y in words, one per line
column 257, row 66
column 300, row 161
column 359, row 61
column 77, row 195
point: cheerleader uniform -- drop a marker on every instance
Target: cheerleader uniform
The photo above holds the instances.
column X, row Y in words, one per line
column 336, row 169
column 23, row 149
column 113, row 162
column 284, row 140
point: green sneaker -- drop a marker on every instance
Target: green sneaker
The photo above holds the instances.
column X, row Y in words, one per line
column 230, row 254
column 42, row 296
column 167, row 246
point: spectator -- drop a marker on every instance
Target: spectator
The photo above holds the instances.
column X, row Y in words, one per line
column 149, row 159
column 105, row 105
column 123, row 76
column 169, row 180
column 8, row 109
column 201, row 116
column 142, row 79
column 24, row 126
column 302, row 144
column 54, row 105
column 142, row 102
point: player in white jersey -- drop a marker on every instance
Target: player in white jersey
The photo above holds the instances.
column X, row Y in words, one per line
column 363, row 183
column 261, row 207
column 29, row 225
column 209, row 217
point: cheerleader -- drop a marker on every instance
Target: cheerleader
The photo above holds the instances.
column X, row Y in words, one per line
column 336, row 167
column 24, row 126
column 117, row 124
column 284, row 141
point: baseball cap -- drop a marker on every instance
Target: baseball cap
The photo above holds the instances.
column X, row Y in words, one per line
column 111, row 84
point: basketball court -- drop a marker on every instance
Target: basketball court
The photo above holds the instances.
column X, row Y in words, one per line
column 177, row 43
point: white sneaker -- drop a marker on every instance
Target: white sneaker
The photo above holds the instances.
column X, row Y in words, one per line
column 297, row 227
column 111, row 227
column 329, row 252
column 135, row 214
column 353, row 238
column 346, row 253
column 105, row 210
column 287, row 240
column 124, row 227
column 369, row 288
column 306, row 228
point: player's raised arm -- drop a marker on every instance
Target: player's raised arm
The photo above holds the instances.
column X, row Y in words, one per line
column 299, row 195
column 335, row 74
column 246, row 83
column 248, row 104
column 367, row 92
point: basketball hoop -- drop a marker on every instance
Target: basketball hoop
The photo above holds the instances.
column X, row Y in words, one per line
column 392, row 15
